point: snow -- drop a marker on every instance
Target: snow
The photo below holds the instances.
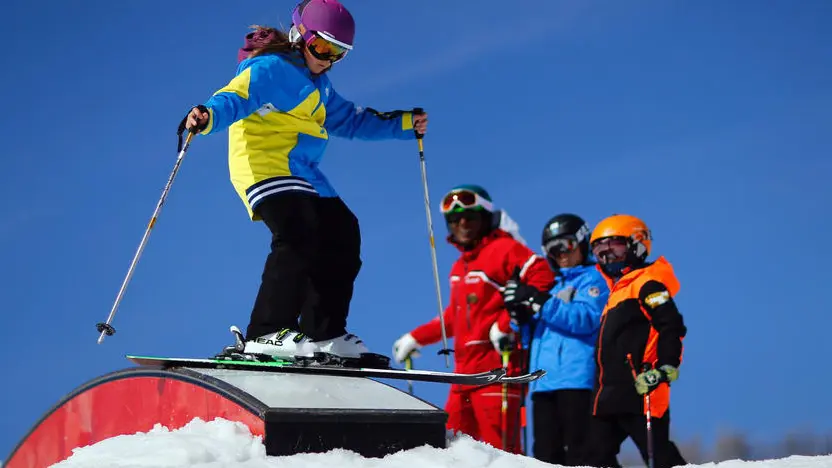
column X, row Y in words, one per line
column 279, row 390
column 221, row 443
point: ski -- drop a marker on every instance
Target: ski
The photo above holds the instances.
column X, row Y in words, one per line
column 285, row 366
column 523, row 379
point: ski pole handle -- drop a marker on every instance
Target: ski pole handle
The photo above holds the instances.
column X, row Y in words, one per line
column 408, row 365
column 419, row 136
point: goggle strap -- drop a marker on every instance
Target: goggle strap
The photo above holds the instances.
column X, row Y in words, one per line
column 332, row 39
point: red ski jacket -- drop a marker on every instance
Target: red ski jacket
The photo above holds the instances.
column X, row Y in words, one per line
column 476, row 302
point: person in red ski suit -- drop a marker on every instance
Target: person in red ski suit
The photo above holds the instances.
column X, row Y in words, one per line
column 476, row 316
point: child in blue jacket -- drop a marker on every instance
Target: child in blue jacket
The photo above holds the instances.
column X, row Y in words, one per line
column 562, row 326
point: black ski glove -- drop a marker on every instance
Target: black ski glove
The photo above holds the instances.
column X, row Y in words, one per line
column 522, row 301
column 519, row 313
column 182, row 125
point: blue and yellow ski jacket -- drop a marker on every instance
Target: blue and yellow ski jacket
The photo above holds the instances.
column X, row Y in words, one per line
column 279, row 117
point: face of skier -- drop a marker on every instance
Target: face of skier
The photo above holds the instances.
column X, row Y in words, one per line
column 564, row 251
column 315, row 65
column 610, row 250
column 569, row 259
column 466, row 226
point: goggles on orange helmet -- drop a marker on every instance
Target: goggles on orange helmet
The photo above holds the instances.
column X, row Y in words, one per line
column 611, row 249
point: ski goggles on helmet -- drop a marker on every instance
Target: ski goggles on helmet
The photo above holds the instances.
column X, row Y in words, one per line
column 464, row 200
column 322, row 46
column 560, row 245
column 611, row 249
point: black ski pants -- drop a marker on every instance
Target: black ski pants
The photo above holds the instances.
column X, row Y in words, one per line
column 311, row 269
column 607, row 433
column 561, row 423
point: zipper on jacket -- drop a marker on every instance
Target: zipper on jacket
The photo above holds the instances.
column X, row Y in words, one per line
column 600, row 365
column 632, row 366
column 467, row 302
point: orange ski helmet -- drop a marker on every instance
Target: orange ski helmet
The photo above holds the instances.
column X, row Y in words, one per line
column 626, row 227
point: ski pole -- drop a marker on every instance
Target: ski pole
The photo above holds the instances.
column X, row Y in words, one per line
column 651, row 461
column 505, row 352
column 419, row 138
column 526, row 353
column 105, row 328
column 408, row 365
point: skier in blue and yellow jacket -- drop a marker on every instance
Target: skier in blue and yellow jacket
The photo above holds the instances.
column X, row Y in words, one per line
column 559, row 329
column 280, row 110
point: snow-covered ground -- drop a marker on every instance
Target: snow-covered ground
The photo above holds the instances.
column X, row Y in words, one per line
column 221, row 444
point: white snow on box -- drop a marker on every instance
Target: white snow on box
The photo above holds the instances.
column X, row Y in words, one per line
column 221, row 444
column 278, row 390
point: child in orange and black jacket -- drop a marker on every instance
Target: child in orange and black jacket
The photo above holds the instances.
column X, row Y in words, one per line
column 639, row 347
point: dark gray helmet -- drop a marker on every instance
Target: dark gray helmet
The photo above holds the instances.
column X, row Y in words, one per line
column 561, row 232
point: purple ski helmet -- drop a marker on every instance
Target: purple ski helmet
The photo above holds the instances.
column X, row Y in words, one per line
column 328, row 19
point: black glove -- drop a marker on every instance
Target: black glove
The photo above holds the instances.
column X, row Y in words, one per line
column 182, row 125
column 520, row 314
column 522, row 301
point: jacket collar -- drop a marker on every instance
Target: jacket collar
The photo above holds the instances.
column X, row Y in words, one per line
column 575, row 271
column 470, row 254
column 660, row 269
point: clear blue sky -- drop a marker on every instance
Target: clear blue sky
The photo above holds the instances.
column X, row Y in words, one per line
column 710, row 120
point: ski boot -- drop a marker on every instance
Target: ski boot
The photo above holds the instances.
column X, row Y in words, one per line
column 285, row 345
column 346, row 350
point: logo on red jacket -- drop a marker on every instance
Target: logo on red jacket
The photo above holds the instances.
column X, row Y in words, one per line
column 473, row 278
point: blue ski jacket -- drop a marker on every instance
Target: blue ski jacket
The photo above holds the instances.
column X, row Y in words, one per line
column 279, row 118
column 563, row 334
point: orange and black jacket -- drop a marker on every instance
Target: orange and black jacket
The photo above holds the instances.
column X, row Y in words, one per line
column 640, row 324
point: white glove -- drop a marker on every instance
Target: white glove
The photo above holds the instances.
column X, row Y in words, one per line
column 499, row 339
column 405, row 346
